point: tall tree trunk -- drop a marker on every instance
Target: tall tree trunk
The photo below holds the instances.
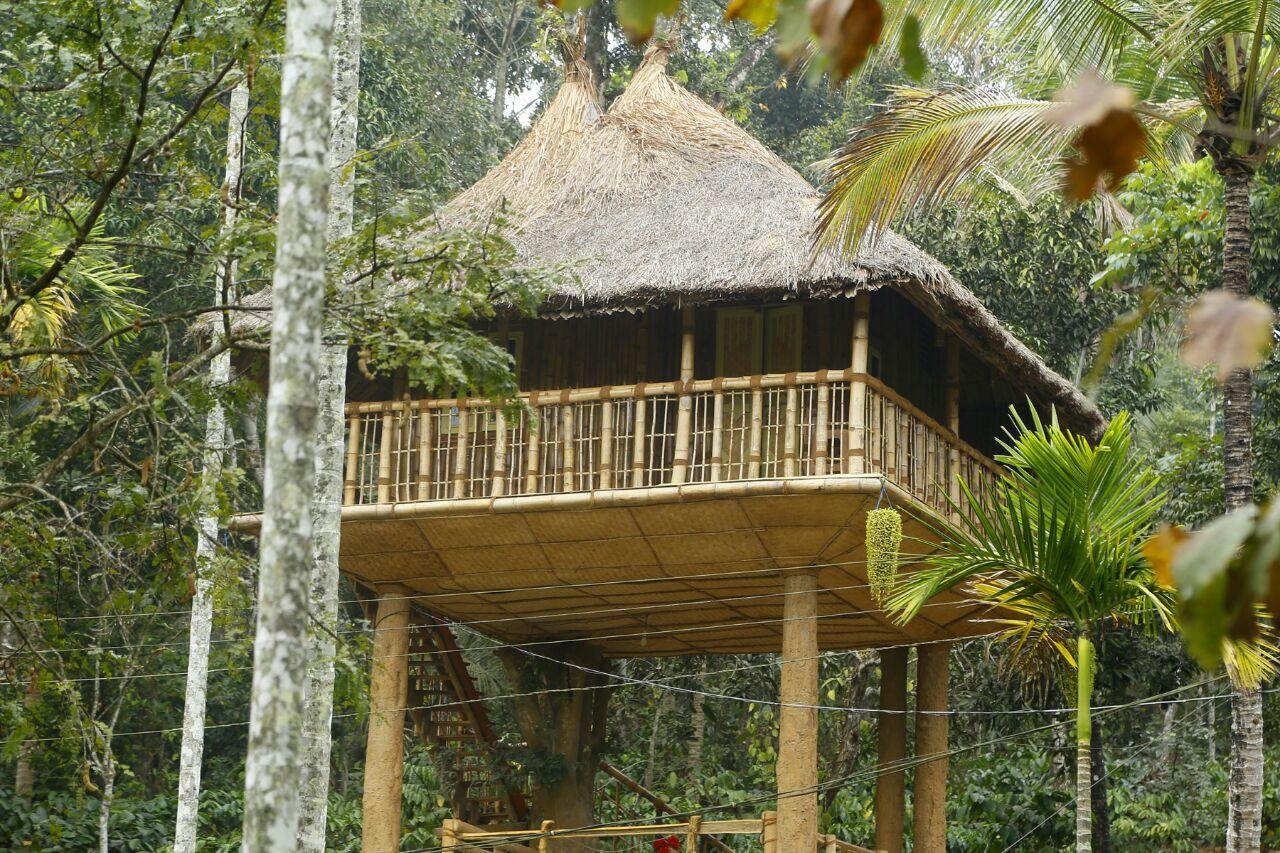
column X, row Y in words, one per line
column 500, row 71
column 1244, row 817
column 215, row 445
column 330, row 429
column 597, row 45
column 655, row 726
column 273, row 767
column 104, row 806
column 754, row 51
column 1084, row 775
column 1101, row 809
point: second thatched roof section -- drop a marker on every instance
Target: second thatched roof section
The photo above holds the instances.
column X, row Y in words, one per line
column 663, row 200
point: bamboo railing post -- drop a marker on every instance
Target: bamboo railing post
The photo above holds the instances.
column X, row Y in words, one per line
column 757, row 419
column 460, row 459
column 425, row 422
column 567, row 447
column 638, row 448
column 544, row 840
column 351, row 478
column 953, row 417
column 606, row 444
column 856, row 445
column 384, row 456
column 534, row 440
column 684, row 414
column 820, row 420
column 499, row 487
column 717, row 438
column 769, row 832
column 695, row 830
column 790, row 419
column 449, row 830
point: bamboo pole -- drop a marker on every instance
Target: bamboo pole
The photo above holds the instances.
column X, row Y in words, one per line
column 606, row 444
column 460, row 458
column 426, row 422
column 798, row 717
column 717, row 438
column 789, row 436
column 769, row 832
column 544, row 840
column 684, row 412
column 352, row 477
column 695, row 829
column 757, row 419
column 638, row 444
column 499, row 487
column 821, row 417
column 855, row 450
column 531, row 452
column 567, row 449
column 384, row 752
column 384, row 457
column 891, row 748
column 930, row 801
column 953, row 417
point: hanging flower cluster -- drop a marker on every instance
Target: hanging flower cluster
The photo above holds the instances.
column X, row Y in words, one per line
column 884, row 539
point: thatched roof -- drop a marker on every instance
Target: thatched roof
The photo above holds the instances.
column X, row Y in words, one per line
column 663, row 200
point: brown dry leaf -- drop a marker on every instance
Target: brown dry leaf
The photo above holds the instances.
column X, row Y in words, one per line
column 1160, row 550
column 1111, row 140
column 1228, row 330
column 847, row 30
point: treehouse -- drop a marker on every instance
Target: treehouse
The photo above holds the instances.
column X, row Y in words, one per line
column 711, row 410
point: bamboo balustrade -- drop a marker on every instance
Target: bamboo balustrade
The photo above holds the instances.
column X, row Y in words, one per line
column 654, row 434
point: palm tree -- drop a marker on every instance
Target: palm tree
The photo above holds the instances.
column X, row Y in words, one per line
column 1203, row 73
column 1059, row 550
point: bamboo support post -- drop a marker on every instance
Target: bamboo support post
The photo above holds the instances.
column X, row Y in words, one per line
column 891, row 750
column 425, row 423
column 930, row 801
column 544, row 839
column 384, row 456
column 717, row 438
column 351, row 478
column 499, row 487
column 684, row 412
column 855, row 449
column 790, row 420
column 567, row 448
column 384, row 752
column 821, row 419
column 753, row 444
column 798, row 715
column 460, row 459
column 534, row 441
column 606, row 444
column 953, row 417
column 638, row 444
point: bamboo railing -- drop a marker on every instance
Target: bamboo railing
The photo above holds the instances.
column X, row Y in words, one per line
column 457, row 835
column 655, row 434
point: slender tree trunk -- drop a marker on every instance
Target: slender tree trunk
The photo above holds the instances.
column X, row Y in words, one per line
column 500, row 72
column 215, row 444
column 24, row 773
column 104, row 807
column 1244, row 817
column 659, row 707
column 1101, row 809
column 252, row 443
column 327, row 513
column 597, row 45
column 747, row 61
column 273, row 766
column 1084, row 775
column 699, row 725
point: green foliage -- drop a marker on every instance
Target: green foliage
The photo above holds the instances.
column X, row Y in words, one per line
column 884, row 540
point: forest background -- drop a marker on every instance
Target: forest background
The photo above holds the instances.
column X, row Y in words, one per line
column 103, row 410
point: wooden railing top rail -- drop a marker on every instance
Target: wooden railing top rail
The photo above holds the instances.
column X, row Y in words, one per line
column 693, row 386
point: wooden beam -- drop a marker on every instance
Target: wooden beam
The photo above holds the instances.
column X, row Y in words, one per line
column 952, row 405
column 892, row 749
column 384, row 752
column 930, row 811
column 798, row 726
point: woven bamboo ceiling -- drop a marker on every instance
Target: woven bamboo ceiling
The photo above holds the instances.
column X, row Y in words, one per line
column 646, row 572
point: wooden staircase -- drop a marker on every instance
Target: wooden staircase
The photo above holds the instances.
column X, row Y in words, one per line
column 458, row 731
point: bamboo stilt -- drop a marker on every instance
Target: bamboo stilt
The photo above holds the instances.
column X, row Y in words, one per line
column 798, row 716
column 891, row 750
column 930, row 801
column 384, row 752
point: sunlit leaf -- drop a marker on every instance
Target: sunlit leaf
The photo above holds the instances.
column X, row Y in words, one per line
column 759, row 13
column 1230, row 331
column 1161, row 549
column 639, row 17
column 1111, row 140
column 846, row 30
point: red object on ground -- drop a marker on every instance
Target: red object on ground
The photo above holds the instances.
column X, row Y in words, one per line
column 670, row 844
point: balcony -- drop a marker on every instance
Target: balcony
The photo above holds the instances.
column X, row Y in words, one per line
column 652, row 435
